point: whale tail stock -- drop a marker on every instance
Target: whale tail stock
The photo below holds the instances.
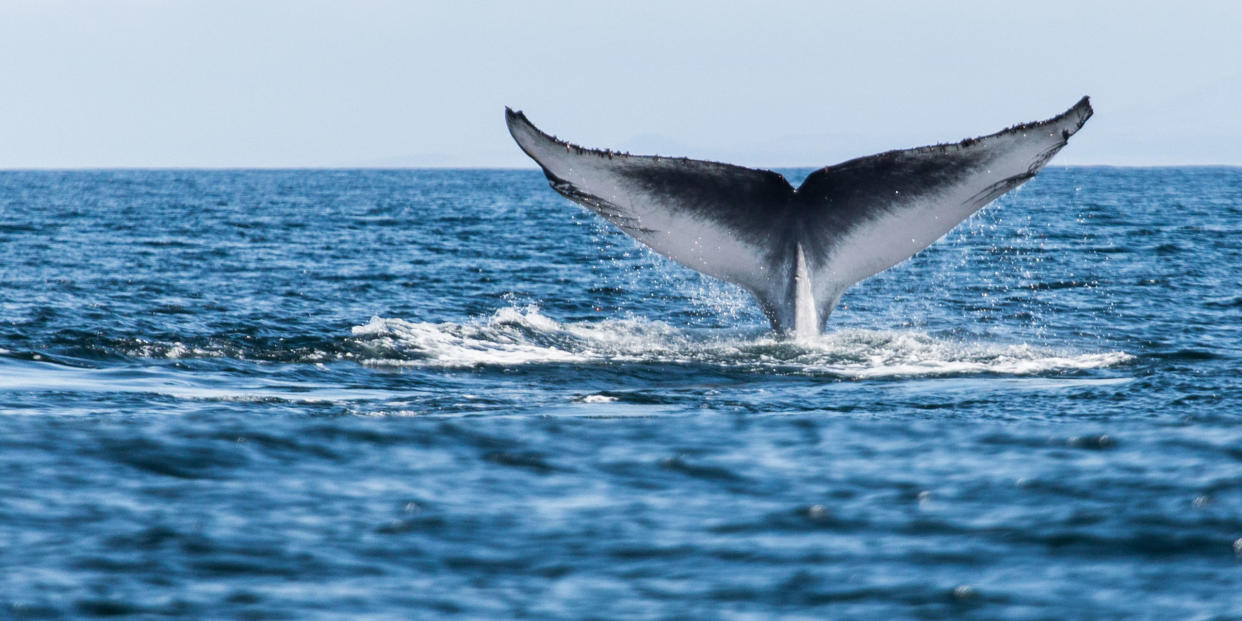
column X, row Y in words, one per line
column 797, row 250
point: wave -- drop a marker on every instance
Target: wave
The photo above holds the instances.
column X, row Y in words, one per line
column 524, row 336
column 513, row 337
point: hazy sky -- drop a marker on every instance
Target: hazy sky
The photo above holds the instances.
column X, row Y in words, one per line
column 148, row 83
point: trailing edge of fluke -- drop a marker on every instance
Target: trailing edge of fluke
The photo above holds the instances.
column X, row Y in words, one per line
column 797, row 250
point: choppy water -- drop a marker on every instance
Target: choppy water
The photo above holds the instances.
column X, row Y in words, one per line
column 423, row 394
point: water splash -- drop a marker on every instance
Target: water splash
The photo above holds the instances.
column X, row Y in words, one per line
column 518, row 336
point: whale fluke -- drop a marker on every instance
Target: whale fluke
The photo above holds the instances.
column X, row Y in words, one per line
column 797, row 250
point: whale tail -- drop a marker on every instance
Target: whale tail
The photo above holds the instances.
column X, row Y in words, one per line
column 797, row 250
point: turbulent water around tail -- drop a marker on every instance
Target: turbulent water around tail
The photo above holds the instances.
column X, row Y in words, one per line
column 524, row 336
column 415, row 394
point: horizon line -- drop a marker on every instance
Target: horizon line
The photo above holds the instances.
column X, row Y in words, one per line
column 497, row 168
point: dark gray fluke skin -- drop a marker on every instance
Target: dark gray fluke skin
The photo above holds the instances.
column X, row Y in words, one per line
column 797, row 250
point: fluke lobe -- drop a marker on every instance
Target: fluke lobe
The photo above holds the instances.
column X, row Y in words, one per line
column 797, row 250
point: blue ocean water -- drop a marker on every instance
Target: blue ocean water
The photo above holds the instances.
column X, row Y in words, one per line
column 437, row 393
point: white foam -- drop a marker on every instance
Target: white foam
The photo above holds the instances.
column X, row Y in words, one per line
column 522, row 336
column 170, row 351
column 596, row 399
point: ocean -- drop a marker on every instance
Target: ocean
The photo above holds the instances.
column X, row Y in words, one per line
column 407, row 394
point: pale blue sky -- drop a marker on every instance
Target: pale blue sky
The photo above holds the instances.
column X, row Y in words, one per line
column 360, row 83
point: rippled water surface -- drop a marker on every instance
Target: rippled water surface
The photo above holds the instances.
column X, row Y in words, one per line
column 428, row 394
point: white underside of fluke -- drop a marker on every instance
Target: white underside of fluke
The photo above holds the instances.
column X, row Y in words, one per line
column 806, row 317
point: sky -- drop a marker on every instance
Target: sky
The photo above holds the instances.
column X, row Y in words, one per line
column 424, row 84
